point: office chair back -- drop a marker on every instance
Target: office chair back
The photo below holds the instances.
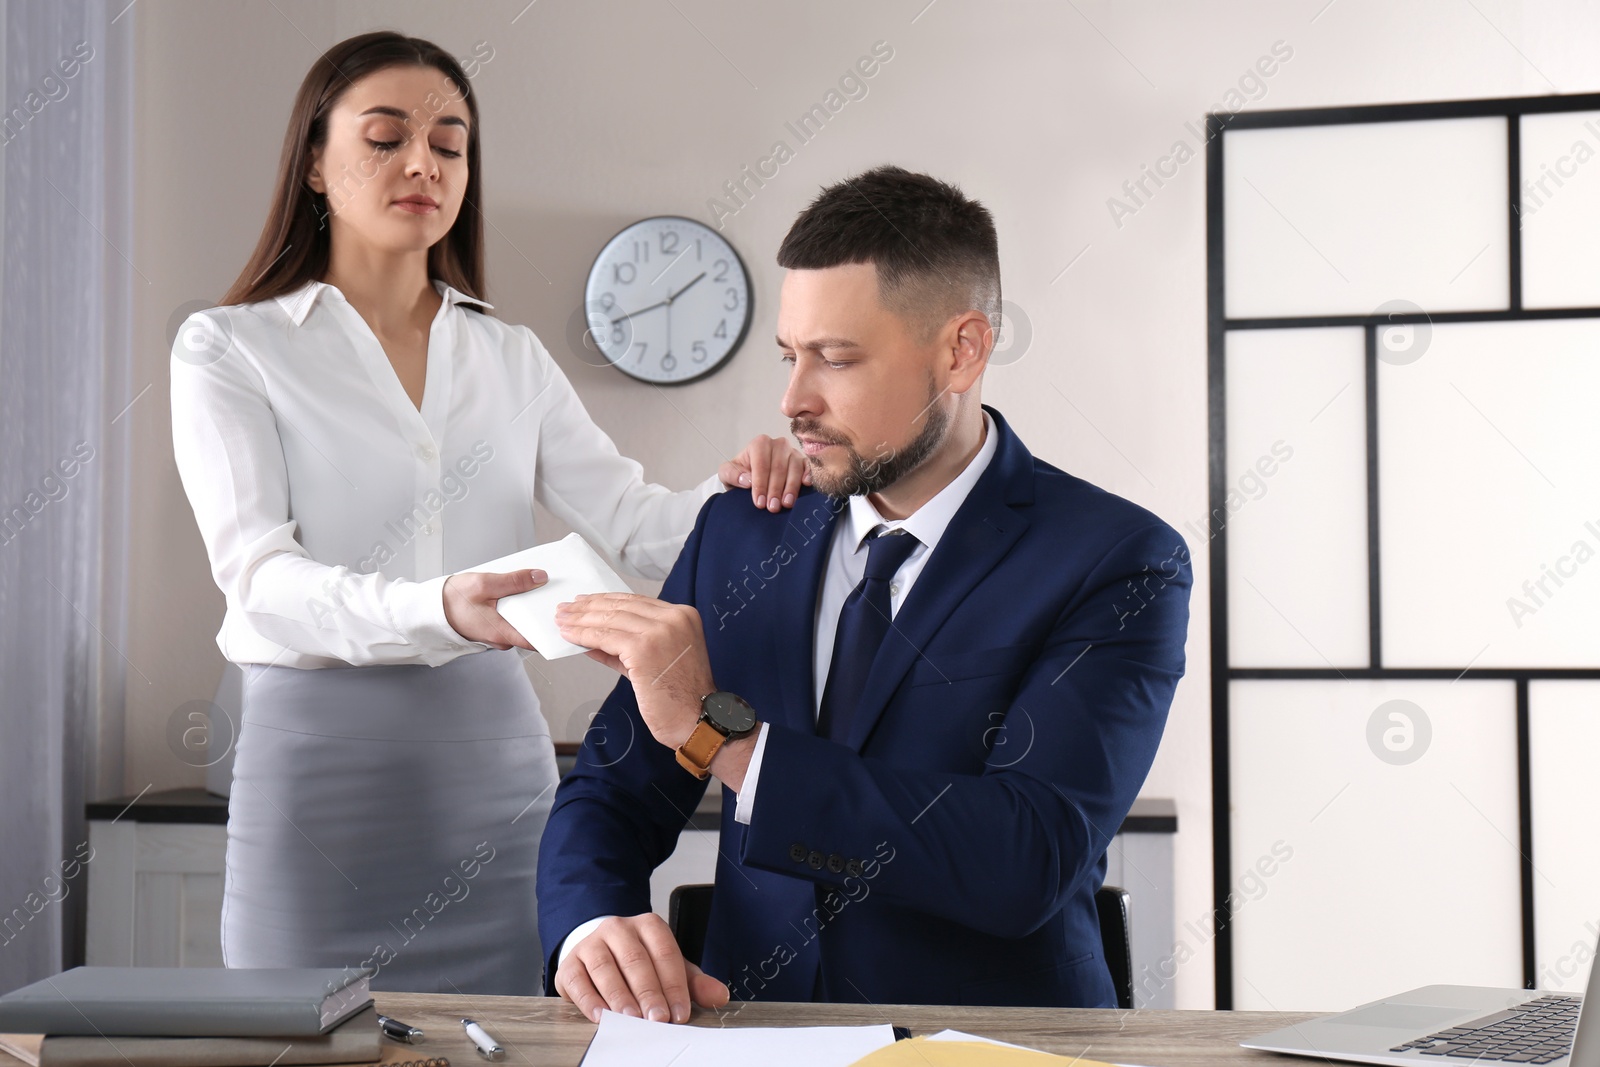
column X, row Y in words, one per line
column 689, row 912
column 1116, row 939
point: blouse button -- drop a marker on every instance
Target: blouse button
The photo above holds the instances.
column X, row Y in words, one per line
column 428, row 529
column 425, row 451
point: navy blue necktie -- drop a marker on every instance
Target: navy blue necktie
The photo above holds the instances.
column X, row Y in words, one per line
column 863, row 624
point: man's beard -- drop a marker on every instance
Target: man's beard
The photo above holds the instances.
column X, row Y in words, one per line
column 873, row 475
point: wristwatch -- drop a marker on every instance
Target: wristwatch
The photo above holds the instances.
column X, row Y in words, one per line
column 724, row 717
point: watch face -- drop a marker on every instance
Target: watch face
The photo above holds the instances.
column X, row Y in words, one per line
column 730, row 712
column 667, row 300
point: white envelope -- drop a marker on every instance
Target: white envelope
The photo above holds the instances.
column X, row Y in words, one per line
column 574, row 569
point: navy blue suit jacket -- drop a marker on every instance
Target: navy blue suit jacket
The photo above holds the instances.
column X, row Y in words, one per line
column 950, row 851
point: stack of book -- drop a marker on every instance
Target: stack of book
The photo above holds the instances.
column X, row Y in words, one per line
column 193, row 1017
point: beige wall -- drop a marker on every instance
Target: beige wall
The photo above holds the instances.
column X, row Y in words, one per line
column 599, row 113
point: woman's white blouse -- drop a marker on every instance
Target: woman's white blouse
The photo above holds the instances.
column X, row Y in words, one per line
column 333, row 510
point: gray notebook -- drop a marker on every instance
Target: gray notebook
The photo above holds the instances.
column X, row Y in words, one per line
column 356, row 1040
column 187, row 1001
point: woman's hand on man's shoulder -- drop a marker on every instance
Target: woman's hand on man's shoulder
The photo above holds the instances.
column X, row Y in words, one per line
column 771, row 468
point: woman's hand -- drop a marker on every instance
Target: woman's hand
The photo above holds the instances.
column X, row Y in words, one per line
column 771, row 468
column 469, row 605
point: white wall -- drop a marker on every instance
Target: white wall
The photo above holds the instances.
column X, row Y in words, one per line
column 599, row 113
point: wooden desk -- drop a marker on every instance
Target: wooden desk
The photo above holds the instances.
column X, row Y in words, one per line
column 549, row 1032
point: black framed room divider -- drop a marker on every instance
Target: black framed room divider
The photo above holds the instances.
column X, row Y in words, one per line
column 1404, row 384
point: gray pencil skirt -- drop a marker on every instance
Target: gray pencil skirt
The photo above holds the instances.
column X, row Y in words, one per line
column 390, row 816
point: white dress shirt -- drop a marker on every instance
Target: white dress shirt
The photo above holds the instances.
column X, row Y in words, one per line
column 846, row 566
column 333, row 509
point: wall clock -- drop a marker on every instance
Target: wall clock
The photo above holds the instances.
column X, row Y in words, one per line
column 668, row 300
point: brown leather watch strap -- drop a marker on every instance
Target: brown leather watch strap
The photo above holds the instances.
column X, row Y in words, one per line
column 695, row 754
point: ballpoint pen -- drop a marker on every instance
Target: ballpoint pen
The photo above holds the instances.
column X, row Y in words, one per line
column 487, row 1046
column 399, row 1031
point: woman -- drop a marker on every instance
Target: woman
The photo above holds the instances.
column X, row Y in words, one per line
column 351, row 428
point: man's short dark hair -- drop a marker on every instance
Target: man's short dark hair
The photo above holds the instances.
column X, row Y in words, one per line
column 934, row 248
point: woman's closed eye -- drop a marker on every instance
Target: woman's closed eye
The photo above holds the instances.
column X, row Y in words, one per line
column 390, row 146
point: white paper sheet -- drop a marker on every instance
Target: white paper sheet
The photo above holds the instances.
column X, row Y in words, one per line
column 574, row 569
column 623, row 1041
column 957, row 1035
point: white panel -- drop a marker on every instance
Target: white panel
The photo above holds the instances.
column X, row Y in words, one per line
column 1343, row 219
column 1561, row 209
column 1564, row 737
column 1490, row 497
column 693, row 862
column 112, row 870
column 1296, row 513
column 182, row 848
column 1146, row 872
column 1357, row 875
column 157, row 920
column 202, row 921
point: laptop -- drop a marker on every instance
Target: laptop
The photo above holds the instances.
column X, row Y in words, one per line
column 1452, row 1024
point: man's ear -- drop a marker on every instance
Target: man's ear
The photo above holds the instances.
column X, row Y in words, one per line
column 972, row 340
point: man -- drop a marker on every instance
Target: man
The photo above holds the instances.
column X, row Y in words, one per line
column 942, row 677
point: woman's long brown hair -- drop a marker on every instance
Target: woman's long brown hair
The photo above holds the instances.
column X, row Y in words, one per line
column 293, row 247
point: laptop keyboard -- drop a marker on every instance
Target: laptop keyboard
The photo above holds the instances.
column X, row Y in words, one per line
column 1539, row 1031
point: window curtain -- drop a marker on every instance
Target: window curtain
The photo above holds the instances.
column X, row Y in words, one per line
column 65, row 386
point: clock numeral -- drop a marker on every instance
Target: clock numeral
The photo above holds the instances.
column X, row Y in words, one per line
column 669, row 242
column 623, row 273
column 721, row 330
column 607, row 301
column 641, row 252
column 641, row 346
column 733, row 299
column 669, row 363
column 699, row 351
column 618, row 335
column 722, row 271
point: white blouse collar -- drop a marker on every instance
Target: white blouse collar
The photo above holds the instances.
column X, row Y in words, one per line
column 297, row 304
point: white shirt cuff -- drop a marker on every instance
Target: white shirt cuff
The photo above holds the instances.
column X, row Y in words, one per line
column 579, row 932
column 711, row 487
column 747, row 796
column 417, row 613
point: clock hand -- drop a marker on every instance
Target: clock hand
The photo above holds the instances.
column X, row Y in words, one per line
column 641, row 311
column 661, row 303
column 686, row 288
column 670, row 298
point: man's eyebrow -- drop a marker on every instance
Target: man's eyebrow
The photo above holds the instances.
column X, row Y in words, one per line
column 394, row 112
column 821, row 343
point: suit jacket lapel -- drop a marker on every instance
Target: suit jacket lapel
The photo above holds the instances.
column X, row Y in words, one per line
column 808, row 536
column 979, row 535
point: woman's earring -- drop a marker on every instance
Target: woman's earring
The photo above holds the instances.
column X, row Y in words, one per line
column 319, row 205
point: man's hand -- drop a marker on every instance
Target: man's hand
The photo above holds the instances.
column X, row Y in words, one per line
column 771, row 468
column 469, row 605
column 631, row 964
column 659, row 646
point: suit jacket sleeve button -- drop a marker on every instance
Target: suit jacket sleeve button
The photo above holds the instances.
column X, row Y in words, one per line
column 835, row 863
column 853, row 868
column 815, row 860
column 797, row 852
